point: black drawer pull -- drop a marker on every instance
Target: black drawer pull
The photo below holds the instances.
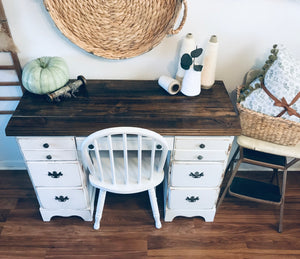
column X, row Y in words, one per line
column 54, row 174
column 199, row 157
column 49, row 157
column 196, row 174
column 192, row 199
column 202, row 145
column 61, row 198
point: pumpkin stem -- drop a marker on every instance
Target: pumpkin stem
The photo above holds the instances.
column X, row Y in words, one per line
column 43, row 62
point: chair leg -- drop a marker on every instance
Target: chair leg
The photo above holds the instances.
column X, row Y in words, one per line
column 154, row 206
column 275, row 176
column 232, row 161
column 229, row 181
column 99, row 210
column 282, row 200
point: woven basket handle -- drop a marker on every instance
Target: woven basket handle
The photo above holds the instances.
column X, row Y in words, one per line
column 175, row 31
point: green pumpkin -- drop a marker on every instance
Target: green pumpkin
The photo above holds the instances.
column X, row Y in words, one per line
column 45, row 75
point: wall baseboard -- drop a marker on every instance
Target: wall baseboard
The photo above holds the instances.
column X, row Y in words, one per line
column 12, row 165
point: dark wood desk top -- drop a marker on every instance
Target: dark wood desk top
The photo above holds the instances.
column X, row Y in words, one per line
column 107, row 103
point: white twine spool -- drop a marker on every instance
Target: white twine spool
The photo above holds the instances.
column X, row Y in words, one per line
column 171, row 85
column 210, row 63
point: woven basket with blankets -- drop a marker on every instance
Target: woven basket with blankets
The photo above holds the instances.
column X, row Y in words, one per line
column 268, row 102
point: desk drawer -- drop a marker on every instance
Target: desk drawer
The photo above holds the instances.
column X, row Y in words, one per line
column 192, row 198
column 46, row 174
column 57, row 198
column 46, row 143
column 202, row 143
column 49, row 155
column 200, row 155
column 196, row 174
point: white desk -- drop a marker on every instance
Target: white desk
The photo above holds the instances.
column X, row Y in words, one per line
column 199, row 130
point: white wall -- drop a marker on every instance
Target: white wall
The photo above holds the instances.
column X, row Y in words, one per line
column 246, row 31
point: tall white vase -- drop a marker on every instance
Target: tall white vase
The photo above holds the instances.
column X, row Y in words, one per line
column 191, row 83
column 188, row 44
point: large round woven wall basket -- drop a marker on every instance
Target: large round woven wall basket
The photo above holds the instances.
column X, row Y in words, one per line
column 117, row 29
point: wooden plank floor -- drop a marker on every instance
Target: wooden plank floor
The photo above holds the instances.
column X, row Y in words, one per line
column 241, row 229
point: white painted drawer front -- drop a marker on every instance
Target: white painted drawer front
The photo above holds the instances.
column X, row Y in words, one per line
column 55, row 174
column 202, row 143
column 192, row 199
column 63, row 198
column 194, row 174
column 49, row 155
column 30, row 143
column 200, row 155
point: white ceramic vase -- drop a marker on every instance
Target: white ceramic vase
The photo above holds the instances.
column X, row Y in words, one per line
column 188, row 44
column 191, row 83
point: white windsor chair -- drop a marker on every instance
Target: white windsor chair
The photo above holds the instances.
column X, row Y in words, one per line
column 125, row 160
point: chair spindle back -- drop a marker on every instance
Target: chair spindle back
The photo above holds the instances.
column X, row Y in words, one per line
column 124, row 155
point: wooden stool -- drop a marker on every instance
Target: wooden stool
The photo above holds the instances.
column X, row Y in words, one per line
column 266, row 154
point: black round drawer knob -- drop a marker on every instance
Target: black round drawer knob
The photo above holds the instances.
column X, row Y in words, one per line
column 158, row 146
column 202, row 145
column 49, row 157
column 45, row 145
column 91, row 146
column 199, row 157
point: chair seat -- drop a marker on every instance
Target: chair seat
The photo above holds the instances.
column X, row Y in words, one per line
column 268, row 147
